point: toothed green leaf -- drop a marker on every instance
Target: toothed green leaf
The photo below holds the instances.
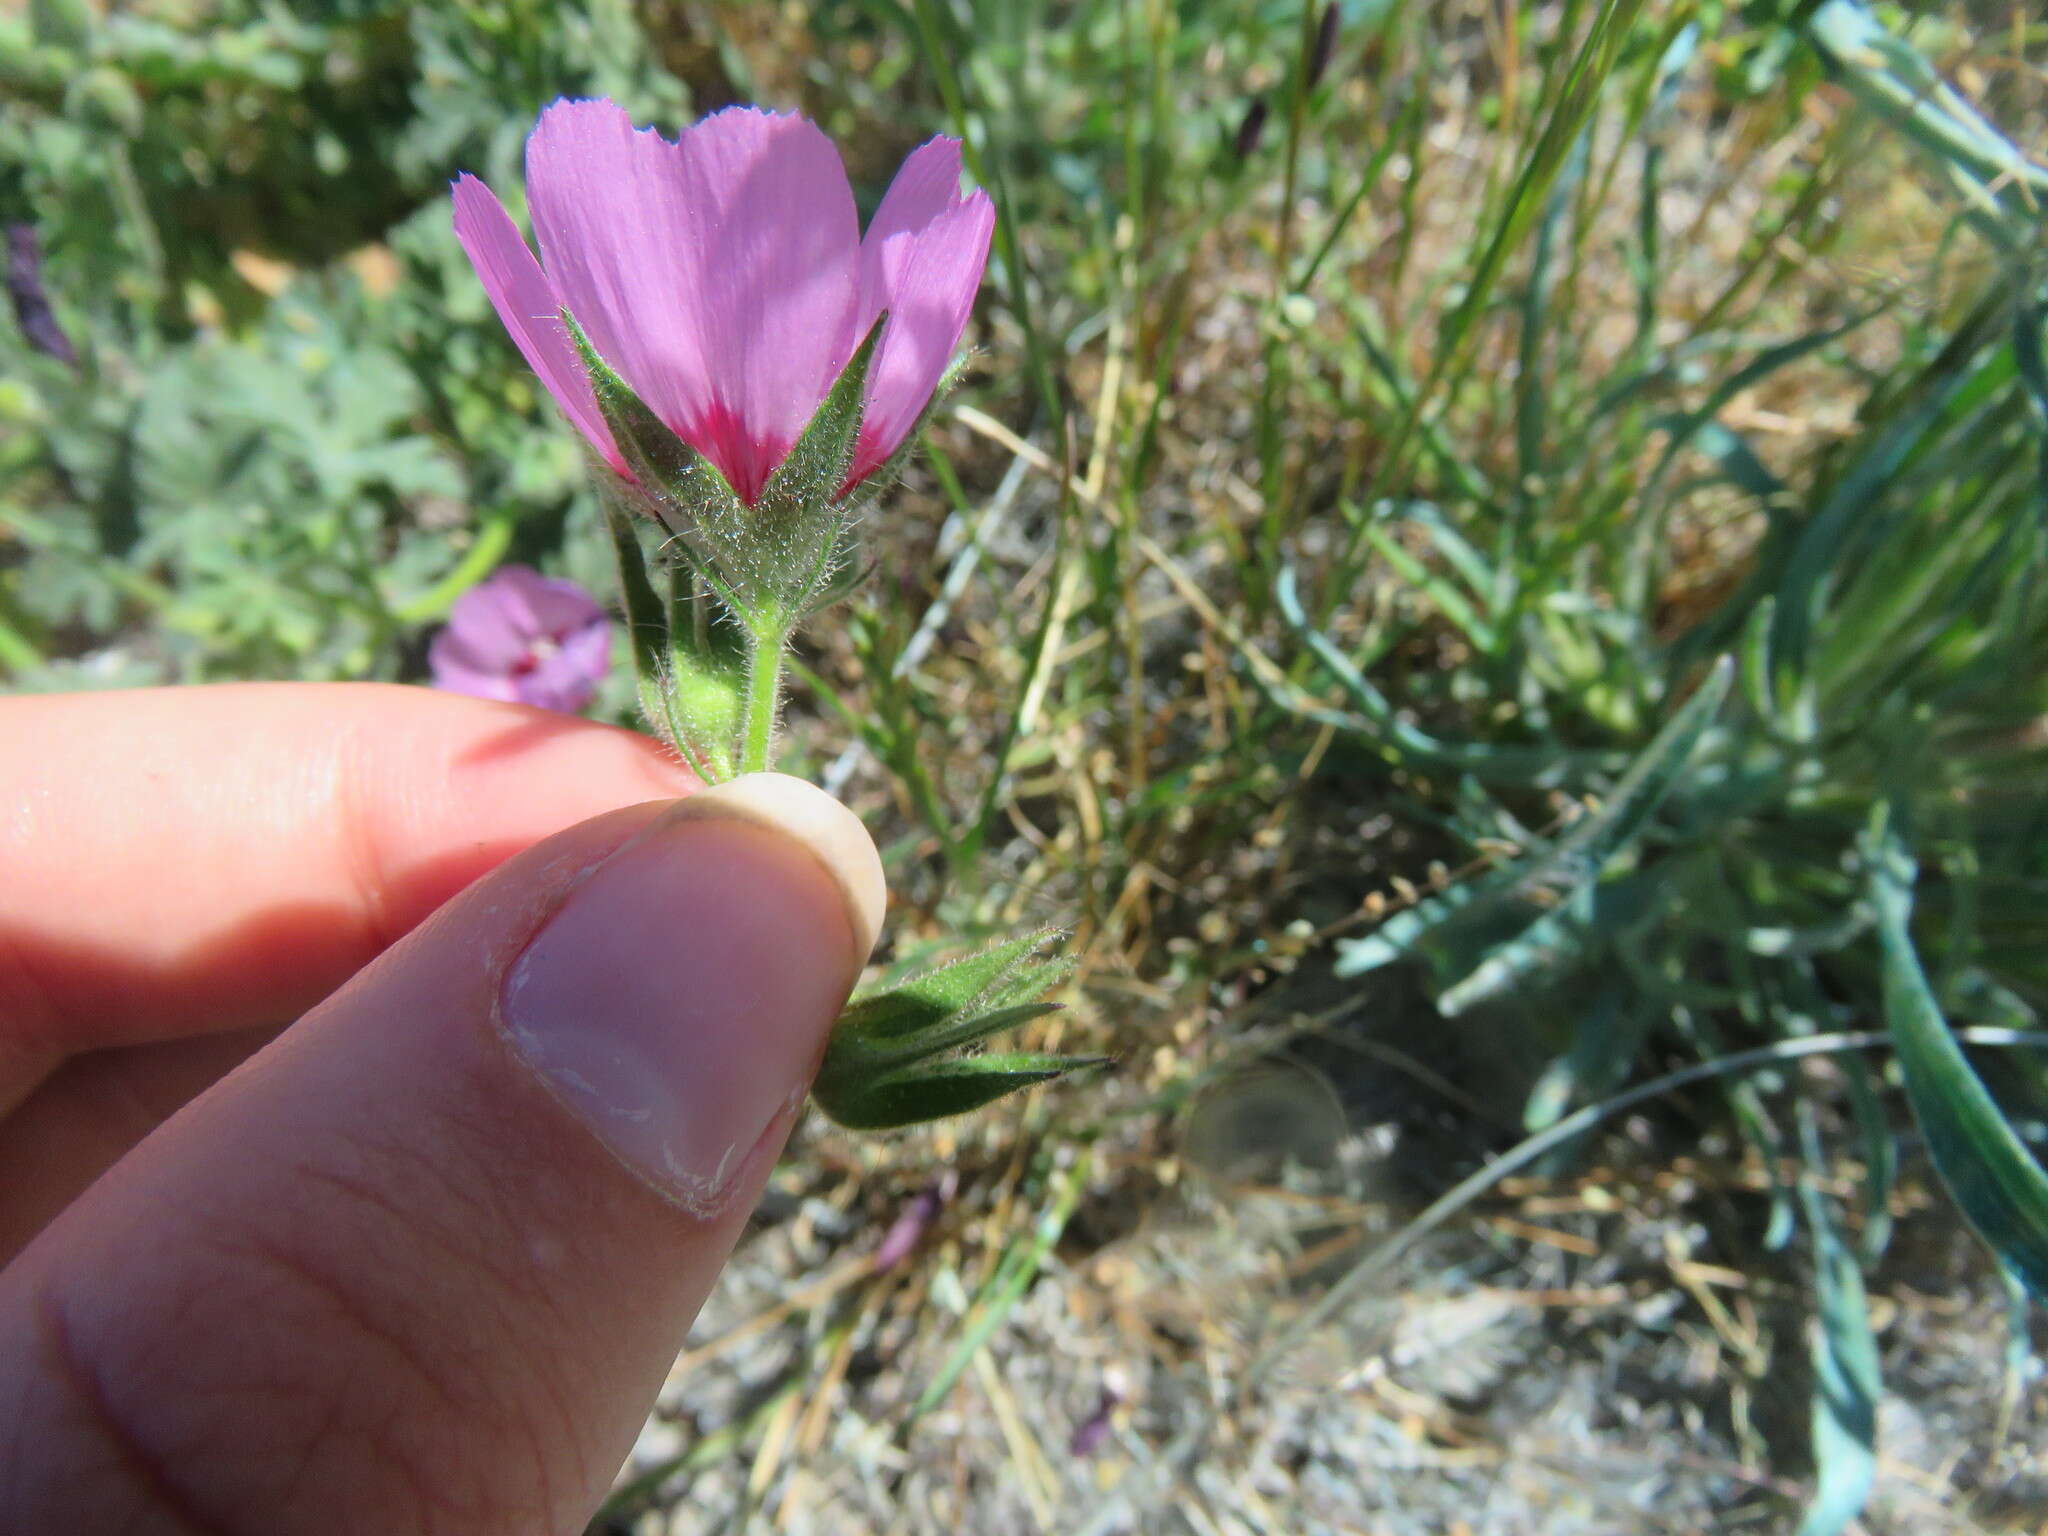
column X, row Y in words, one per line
column 851, row 1051
column 894, row 1056
column 1033, row 979
column 937, row 994
column 945, row 1088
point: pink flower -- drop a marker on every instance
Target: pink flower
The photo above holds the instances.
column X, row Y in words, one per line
column 724, row 277
column 902, row 1238
column 524, row 638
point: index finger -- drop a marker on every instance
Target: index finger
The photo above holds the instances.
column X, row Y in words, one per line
column 182, row 860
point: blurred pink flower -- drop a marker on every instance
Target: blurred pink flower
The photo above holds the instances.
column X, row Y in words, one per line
column 524, row 638
column 724, row 277
column 904, row 1234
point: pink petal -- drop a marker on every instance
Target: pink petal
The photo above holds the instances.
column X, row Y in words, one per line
column 922, row 261
column 521, row 294
column 524, row 638
column 716, row 274
column 568, row 678
column 608, row 211
column 457, row 669
column 777, row 245
column 552, row 606
column 492, row 623
column 454, row 678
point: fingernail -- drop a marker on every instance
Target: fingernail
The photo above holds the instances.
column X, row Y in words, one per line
column 679, row 1000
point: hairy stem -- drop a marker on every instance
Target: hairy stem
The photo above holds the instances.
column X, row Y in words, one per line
column 763, row 697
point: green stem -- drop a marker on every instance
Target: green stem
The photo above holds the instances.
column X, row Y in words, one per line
column 493, row 539
column 764, row 693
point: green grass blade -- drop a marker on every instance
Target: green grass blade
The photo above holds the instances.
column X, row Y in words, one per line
column 1020, row 1267
column 1995, row 1182
column 1846, row 1380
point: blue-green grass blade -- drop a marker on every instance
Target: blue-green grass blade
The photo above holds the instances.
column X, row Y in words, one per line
column 2002, row 188
column 1810, row 569
column 1683, row 430
column 1994, row 1180
column 1573, row 861
column 1846, row 1378
column 1449, row 601
column 1402, row 741
column 1880, row 1157
column 1473, row 568
column 1606, row 1036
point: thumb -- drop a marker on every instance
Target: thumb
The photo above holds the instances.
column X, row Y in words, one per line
column 423, row 1262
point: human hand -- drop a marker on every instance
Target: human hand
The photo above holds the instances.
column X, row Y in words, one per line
column 420, row 1260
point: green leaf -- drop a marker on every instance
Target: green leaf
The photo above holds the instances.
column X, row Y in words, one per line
column 932, row 996
column 1846, row 1380
column 1999, row 1187
column 893, row 1057
column 946, row 1088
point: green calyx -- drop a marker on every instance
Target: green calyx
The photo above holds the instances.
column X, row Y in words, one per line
column 897, row 1054
column 714, row 608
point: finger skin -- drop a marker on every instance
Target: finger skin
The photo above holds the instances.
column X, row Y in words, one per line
column 81, row 1119
column 380, row 1278
column 192, row 859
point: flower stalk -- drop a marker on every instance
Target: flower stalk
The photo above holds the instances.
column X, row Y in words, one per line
column 763, row 701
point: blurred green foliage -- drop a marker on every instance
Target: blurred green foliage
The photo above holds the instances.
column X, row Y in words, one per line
column 292, row 415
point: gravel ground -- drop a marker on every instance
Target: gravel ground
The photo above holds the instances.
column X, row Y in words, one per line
column 1596, row 1351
